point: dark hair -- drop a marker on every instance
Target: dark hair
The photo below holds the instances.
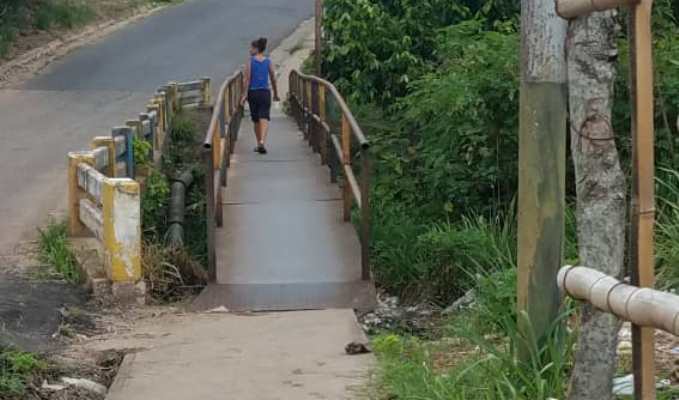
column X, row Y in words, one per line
column 260, row 44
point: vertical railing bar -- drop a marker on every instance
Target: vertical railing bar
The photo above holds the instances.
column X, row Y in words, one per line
column 366, row 222
column 210, row 217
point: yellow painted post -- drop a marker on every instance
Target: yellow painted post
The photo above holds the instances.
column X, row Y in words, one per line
column 171, row 93
column 206, row 91
column 75, row 194
column 160, row 102
column 109, row 143
column 122, row 230
column 346, row 155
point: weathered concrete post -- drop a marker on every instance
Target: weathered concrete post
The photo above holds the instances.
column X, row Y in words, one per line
column 105, row 141
column 75, row 227
column 542, row 162
column 205, row 91
column 122, row 237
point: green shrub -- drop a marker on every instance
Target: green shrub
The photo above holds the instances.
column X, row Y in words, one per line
column 141, row 150
column 55, row 250
column 154, row 203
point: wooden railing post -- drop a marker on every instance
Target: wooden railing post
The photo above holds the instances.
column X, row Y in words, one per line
column 346, row 156
column 325, row 135
column 366, row 216
column 210, row 216
column 308, row 105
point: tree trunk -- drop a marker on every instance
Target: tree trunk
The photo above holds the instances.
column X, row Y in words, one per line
column 542, row 162
column 600, row 185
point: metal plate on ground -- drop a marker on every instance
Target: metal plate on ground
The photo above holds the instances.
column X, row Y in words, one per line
column 287, row 297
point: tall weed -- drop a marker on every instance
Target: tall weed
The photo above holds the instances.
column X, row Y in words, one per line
column 55, row 250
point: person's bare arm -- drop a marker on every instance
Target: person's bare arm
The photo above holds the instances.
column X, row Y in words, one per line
column 246, row 83
column 274, row 83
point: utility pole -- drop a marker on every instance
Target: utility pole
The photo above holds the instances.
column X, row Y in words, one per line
column 319, row 36
column 542, row 163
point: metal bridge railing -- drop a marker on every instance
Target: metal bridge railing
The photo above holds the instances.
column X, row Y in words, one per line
column 218, row 146
column 330, row 127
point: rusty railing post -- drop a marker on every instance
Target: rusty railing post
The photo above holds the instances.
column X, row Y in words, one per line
column 346, row 158
column 325, row 135
column 210, row 211
column 366, row 217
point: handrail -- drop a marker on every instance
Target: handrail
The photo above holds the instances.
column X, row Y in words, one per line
column 309, row 108
column 218, row 146
column 355, row 128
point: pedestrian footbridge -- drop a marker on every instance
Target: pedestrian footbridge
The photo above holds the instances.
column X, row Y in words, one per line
column 288, row 230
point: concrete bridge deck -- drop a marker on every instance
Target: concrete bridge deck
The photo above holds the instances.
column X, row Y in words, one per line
column 284, row 245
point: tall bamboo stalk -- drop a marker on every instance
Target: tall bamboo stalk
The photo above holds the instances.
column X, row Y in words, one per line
column 643, row 204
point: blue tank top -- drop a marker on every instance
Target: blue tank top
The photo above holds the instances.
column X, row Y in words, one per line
column 259, row 74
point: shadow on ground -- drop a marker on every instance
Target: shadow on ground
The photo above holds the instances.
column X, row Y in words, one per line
column 29, row 310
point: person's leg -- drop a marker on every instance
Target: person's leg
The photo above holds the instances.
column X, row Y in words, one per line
column 263, row 130
column 265, row 116
column 253, row 103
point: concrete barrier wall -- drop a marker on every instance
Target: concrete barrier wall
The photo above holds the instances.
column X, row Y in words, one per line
column 103, row 196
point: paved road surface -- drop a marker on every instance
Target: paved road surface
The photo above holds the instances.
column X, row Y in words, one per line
column 104, row 84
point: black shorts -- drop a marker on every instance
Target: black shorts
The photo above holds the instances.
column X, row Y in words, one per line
column 260, row 104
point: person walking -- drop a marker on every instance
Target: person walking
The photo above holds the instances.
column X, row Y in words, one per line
column 258, row 72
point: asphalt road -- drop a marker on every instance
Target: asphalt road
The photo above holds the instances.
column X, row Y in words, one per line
column 103, row 84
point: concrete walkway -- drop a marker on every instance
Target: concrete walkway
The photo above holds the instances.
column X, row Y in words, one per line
column 281, row 356
column 284, row 245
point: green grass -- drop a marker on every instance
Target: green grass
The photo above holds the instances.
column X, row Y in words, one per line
column 55, row 250
column 67, row 14
column 667, row 229
column 474, row 366
column 16, row 368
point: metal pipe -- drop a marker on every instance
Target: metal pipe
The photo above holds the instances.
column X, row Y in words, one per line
column 175, row 232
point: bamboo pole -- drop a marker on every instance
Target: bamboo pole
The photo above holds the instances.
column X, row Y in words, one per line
column 641, row 306
column 575, row 8
column 346, row 158
column 643, row 203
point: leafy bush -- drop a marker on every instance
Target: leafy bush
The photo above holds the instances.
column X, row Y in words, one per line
column 375, row 48
column 55, row 250
column 466, row 122
column 141, row 150
column 154, row 203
